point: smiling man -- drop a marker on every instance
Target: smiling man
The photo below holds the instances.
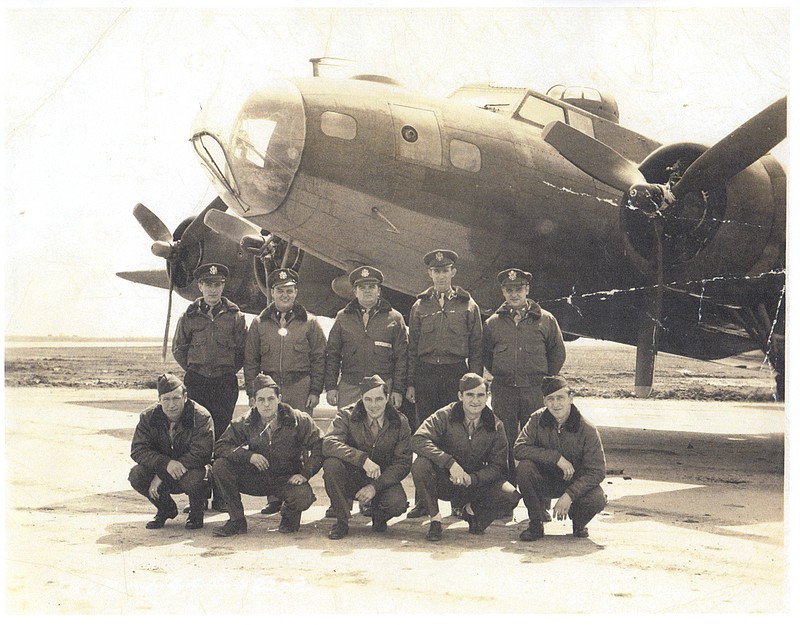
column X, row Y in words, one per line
column 462, row 457
column 522, row 343
column 367, row 454
column 560, row 455
column 274, row 451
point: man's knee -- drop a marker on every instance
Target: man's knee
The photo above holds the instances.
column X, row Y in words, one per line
column 299, row 497
column 527, row 470
column 422, row 468
column 394, row 500
column 140, row 478
column 333, row 469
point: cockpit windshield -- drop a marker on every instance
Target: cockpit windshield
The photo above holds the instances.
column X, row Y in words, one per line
column 502, row 100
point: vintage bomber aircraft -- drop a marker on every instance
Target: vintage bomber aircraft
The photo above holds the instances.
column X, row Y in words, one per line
column 678, row 248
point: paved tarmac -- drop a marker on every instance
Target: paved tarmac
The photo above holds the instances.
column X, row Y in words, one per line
column 695, row 524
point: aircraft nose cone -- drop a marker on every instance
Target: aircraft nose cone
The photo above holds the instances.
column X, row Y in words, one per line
column 253, row 154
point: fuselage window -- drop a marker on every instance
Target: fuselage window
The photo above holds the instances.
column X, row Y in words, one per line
column 465, row 155
column 540, row 113
column 338, row 125
column 581, row 122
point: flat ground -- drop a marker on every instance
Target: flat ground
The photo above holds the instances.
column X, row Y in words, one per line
column 695, row 524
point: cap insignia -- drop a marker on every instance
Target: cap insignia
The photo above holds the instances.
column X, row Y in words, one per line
column 512, row 275
column 439, row 256
column 282, row 275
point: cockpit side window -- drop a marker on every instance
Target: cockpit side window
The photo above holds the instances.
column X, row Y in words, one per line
column 539, row 112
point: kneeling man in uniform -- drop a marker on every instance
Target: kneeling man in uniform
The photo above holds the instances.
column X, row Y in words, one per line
column 462, row 456
column 274, row 450
column 560, row 455
column 171, row 447
column 367, row 453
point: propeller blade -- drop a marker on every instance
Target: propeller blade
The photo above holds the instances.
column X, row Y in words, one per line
column 196, row 228
column 650, row 320
column 152, row 225
column 743, row 147
column 230, row 225
column 592, row 156
column 166, row 326
column 162, row 249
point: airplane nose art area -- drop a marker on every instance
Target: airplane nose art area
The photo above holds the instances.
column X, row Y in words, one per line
column 255, row 158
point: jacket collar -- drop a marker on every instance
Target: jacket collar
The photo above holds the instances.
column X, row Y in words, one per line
column 572, row 423
column 227, row 306
column 298, row 312
column 354, row 307
column 359, row 412
column 285, row 416
column 430, row 293
column 487, row 416
column 534, row 311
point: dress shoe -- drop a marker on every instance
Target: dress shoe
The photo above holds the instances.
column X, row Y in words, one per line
column 340, row 530
column 194, row 522
column 475, row 526
column 546, row 518
column 419, row 510
column 535, row 531
column 290, row 522
column 160, row 519
column 434, row 532
column 379, row 524
column 231, row 527
column 330, row 514
column 272, row 507
column 580, row 532
column 218, row 505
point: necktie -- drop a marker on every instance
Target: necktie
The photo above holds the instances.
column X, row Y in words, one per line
column 517, row 316
column 471, row 427
column 365, row 318
column 441, row 300
column 282, row 319
column 375, row 428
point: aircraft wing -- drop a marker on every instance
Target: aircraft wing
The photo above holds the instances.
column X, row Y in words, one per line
column 151, row 277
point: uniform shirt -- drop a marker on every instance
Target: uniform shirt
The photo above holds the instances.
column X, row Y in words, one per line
column 349, row 439
column 357, row 352
column 210, row 342
column 190, row 444
column 291, row 442
column 300, row 349
column 444, row 335
column 519, row 354
column 443, row 438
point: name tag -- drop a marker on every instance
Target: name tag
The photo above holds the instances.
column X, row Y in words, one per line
column 383, row 344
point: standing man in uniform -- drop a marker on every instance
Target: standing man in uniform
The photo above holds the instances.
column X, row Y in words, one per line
column 522, row 343
column 560, row 455
column 209, row 346
column 367, row 454
column 171, row 447
column 274, row 450
column 444, row 342
column 462, row 456
column 287, row 343
column 368, row 337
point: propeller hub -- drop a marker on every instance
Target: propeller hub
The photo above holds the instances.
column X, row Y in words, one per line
column 163, row 249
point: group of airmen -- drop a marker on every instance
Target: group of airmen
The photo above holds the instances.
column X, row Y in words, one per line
column 531, row 444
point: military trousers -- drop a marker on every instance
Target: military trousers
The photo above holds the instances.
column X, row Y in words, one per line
column 343, row 480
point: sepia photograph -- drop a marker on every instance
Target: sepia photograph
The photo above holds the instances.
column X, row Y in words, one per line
column 387, row 311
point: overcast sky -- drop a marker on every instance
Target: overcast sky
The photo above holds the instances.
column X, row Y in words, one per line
column 98, row 105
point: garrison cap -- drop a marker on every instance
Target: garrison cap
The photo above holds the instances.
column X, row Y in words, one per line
column 367, row 384
column 440, row 258
column 167, row 382
column 469, row 381
column 553, row 383
column 265, row 381
column 514, row 277
column 211, row 271
column 365, row 275
column 279, row 277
